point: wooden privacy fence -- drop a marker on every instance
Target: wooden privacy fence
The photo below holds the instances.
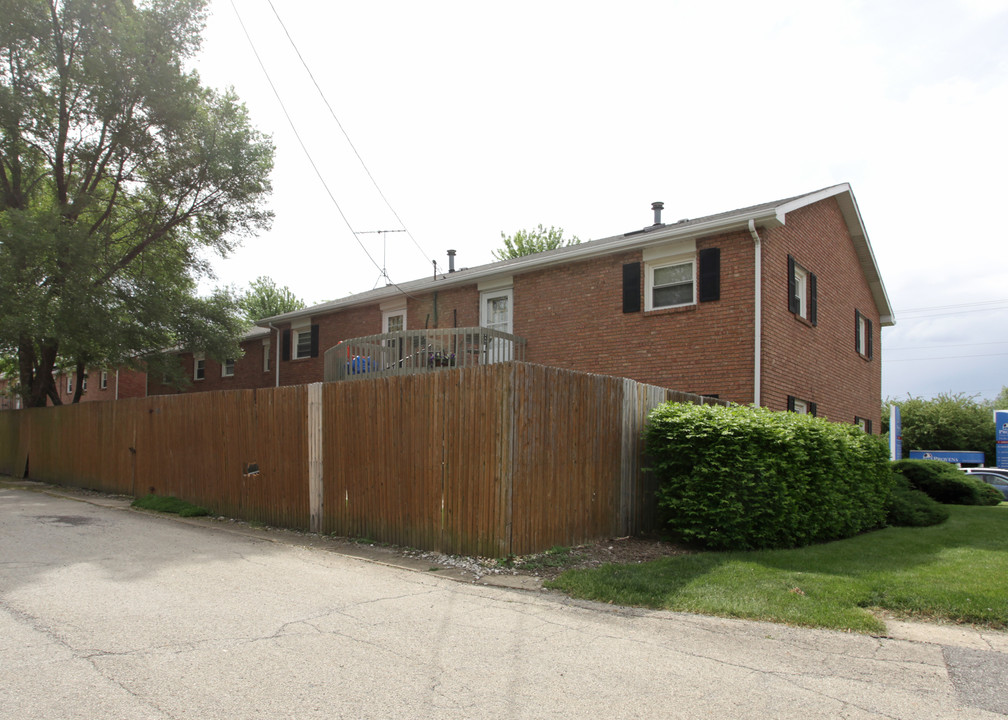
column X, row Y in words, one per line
column 495, row 460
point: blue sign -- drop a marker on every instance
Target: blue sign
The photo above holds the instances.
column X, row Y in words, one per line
column 1001, row 436
column 968, row 457
column 895, row 434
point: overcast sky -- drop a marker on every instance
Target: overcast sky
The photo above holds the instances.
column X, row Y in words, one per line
column 475, row 119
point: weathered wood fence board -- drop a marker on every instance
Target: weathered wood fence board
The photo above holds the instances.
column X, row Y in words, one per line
column 494, row 460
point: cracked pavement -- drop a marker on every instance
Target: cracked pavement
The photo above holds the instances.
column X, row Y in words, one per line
column 107, row 612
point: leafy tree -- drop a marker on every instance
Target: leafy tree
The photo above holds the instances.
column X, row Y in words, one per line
column 946, row 422
column 528, row 242
column 119, row 172
column 1001, row 401
column 264, row 299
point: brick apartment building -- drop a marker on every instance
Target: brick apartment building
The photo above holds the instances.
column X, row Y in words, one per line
column 779, row 304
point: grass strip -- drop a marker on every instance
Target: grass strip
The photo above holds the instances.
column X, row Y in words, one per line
column 170, row 505
column 955, row 572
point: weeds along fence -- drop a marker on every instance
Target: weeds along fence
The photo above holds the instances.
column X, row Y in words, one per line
column 496, row 460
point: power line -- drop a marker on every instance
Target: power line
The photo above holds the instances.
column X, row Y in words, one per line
column 945, row 347
column 304, row 148
column 944, row 357
column 345, row 135
column 959, row 305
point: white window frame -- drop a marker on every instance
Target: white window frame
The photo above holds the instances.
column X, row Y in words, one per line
column 488, row 295
column 84, row 383
column 199, row 367
column 69, row 384
column 862, row 335
column 649, row 282
column 103, row 380
column 801, row 284
column 801, row 406
column 390, row 310
column 266, row 355
column 297, row 331
column 227, row 368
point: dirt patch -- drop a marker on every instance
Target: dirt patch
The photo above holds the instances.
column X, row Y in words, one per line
column 550, row 564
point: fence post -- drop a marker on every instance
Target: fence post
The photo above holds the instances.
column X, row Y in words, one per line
column 315, row 493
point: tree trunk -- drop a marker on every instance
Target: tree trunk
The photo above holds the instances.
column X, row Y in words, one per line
column 36, row 371
column 79, row 390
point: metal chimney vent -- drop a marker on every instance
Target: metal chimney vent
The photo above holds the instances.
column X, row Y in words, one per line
column 657, row 207
column 451, row 261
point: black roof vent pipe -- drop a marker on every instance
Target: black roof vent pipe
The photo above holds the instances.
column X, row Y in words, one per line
column 657, row 207
column 451, row 261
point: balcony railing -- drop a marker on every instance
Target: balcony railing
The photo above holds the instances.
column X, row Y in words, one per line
column 409, row 352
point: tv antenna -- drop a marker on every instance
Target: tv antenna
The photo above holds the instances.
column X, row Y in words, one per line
column 383, row 233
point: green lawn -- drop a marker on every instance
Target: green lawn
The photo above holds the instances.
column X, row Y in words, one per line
column 956, row 571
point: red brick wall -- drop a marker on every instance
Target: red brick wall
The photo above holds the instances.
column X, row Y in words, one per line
column 819, row 364
column 248, row 372
column 573, row 318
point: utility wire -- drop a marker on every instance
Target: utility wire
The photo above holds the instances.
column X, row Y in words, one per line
column 944, row 357
column 960, row 305
column 311, row 160
column 345, row 135
column 945, row 347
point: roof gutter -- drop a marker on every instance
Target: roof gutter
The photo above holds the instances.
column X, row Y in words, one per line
column 758, row 314
column 277, row 363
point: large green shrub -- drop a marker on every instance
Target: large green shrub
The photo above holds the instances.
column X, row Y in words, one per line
column 912, row 508
column 946, row 483
column 738, row 477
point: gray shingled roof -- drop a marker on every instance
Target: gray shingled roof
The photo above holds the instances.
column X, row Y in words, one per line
column 769, row 214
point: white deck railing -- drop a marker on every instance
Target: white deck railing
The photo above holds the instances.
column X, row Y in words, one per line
column 409, row 352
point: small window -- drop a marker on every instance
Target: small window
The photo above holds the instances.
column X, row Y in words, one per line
column 802, row 407
column 863, row 423
column 69, row 385
column 83, row 385
column 266, row 355
column 103, row 381
column 802, row 292
column 670, row 285
column 303, row 347
column 304, row 342
column 199, row 367
column 862, row 334
column 227, row 369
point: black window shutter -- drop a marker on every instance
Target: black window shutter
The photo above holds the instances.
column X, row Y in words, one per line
column 868, row 338
column 857, row 331
column 867, row 426
column 286, row 344
column 812, row 409
column 791, row 294
column 314, row 340
column 631, row 287
column 813, row 303
column 790, row 403
column 710, row 274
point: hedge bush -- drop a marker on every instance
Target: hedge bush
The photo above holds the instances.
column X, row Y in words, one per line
column 739, row 478
column 946, row 483
column 912, row 508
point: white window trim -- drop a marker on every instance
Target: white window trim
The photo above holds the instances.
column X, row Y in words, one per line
column 84, row 383
column 801, row 283
column 490, row 294
column 862, row 335
column 69, row 384
column 198, row 360
column 391, row 312
column 658, row 263
column 103, row 381
column 224, row 368
column 296, row 332
column 266, row 354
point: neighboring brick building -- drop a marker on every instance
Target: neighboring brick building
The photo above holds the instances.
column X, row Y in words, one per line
column 780, row 304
